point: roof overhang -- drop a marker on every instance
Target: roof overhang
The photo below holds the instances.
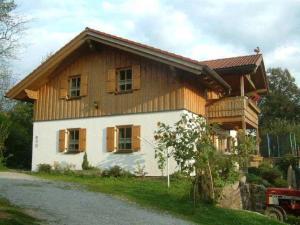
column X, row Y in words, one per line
column 18, row 91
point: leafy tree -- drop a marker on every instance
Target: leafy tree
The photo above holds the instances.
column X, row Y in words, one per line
column 189, row 142
column 18, row 145
column 4, row 132
column 283, row 102
column 11, row 27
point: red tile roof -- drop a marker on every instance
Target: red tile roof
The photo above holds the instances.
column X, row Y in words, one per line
column 213, row 64
column 232, row 62
column 145, row 46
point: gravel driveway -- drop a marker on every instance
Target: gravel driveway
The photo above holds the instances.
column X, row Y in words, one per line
column 69, row 204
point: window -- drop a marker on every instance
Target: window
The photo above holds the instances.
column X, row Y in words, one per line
column 125, row 138
column 74, row 87
column 73, row 143
column 124, row 80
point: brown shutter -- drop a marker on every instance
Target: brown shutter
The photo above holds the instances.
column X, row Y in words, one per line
column 136, row 75
column 110, row 139
column 63, row 87
column 111, row 81
column 62, row 139
column 82, row 140
column 84, row 84
column 136, row 142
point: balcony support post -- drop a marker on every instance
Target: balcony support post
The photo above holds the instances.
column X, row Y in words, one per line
column 242, row 85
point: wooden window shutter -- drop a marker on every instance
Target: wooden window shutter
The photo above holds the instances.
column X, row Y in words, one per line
column 82, row 140
column 136, row 141
column 63, row 87
column 62, row 140
column 110, row 139
column 136, row 77
column 84, row 84
column 110, row 84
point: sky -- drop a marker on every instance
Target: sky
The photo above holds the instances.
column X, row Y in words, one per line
column 199, row 29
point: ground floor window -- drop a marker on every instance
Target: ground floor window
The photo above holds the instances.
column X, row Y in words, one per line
column 73, row 140
column 124, row 138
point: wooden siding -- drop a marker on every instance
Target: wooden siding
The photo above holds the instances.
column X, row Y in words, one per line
column 161, row 89
column 194, row 98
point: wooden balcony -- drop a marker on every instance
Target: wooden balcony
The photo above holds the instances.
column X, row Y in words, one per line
column 238, row 112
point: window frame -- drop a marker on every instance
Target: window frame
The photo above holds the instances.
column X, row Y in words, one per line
column 76, row 141
column 77, row 88
column 124, row 150
column 126, row 81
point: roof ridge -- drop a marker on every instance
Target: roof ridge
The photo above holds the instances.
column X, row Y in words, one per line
column 145, row 46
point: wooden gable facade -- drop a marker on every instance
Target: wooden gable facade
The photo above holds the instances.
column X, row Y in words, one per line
column 158, row 87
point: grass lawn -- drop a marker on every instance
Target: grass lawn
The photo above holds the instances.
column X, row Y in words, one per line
column 12, row 215
column 152, row 192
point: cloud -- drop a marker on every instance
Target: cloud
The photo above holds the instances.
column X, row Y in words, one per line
column 201, row 29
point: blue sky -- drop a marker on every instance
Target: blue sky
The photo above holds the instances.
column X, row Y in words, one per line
column 199, row 29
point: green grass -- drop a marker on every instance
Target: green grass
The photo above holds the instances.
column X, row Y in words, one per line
column 152, row 192
column 12, row 215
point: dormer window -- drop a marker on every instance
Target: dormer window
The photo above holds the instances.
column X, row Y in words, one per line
column 74, row 90
column 124, row 80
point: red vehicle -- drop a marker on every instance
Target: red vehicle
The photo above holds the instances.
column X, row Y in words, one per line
column 282, row 201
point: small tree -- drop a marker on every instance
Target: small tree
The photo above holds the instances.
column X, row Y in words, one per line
column 246, row 146
column 189, row 141
column 85, row 163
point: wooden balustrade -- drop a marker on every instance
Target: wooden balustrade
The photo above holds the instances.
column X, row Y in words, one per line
column 233, row 109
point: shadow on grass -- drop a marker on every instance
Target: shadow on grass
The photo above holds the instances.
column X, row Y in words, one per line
column 12, row 215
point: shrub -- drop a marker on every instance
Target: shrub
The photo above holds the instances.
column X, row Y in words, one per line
column 44, row 168
column 284, row 163
column 267, row 175
column 116, row 171
column 270, row 174
column 140, row 170
column 85, row 163
column 63, row 167
column 178, row 175
column 279, row 182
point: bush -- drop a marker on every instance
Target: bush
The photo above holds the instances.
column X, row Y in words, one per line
column 178, row 175
column 44, row 168
column 63, row 167
column 293, row 220
column 279, row 182
column 116, row 171
column 267, row 175
column 284, row 163
column 140, row 170
column 85, row 163
column 270, row 174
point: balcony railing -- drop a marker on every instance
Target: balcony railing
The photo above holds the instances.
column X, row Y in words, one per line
column 233, row 108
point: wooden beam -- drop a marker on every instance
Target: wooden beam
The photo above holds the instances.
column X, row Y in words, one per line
column 248, row 77
column 32, row 94
column 258, row 91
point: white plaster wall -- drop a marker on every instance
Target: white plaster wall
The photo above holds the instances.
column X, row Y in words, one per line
column 45, row 141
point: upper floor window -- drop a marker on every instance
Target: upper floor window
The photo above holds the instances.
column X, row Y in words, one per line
column 124, row 79
column 73, row 140
column 74, row 87
column 125, row 138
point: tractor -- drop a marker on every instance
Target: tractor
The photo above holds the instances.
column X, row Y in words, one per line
column 282, row 201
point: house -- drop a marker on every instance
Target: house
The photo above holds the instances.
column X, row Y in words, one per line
column 104, row 95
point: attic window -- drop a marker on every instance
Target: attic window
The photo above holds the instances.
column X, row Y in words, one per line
column 124, row 80
column 74, row 87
